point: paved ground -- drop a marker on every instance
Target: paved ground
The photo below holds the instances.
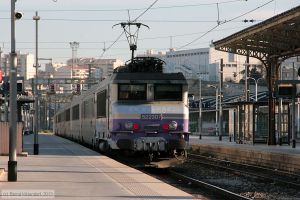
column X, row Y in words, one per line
column 287, row 149
column 65, row 170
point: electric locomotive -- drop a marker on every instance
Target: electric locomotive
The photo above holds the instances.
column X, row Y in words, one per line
column 139, row 109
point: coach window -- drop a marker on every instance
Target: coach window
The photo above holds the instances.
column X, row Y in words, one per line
column 63, row 116
column 168, row 92
column 132, row 92
column 101, row 104
column 84, row 110
column 88, row 109
column 68, row 115
column 75, row 112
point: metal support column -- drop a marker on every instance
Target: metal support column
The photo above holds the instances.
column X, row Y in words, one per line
column 200, row 108
column 221, row 102
column 36, row 107
column 271, row 82
column 12, row 162
column 294, row 113
column 246, row 79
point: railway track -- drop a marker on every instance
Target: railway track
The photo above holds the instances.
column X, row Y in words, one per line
column 221, row 193
column 280, row 177
column 190, row 185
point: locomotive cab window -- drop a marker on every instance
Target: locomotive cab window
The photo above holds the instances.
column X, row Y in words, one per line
column 164, row 92
column 132, row 92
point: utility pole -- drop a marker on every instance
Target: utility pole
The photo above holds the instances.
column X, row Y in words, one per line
column 221, row 102
column 12, row 162
column 36, row 103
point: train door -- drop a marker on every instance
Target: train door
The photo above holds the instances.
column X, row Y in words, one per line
column 88, row 122
column 101, row 115
column 75, row 131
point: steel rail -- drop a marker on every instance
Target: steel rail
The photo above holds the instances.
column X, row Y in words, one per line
column 220, row 191
column 243, row 169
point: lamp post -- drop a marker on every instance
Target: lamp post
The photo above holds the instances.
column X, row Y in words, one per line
column 36, row 127
column 256, row 82
column 217, row 94
column 12, row 162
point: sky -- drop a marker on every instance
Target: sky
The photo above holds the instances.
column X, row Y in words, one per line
column 179, row 24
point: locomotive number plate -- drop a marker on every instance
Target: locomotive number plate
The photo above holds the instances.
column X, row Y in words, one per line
column 151, row 116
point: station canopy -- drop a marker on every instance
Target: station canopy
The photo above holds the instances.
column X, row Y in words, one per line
column 270, row 41
column 276, row 37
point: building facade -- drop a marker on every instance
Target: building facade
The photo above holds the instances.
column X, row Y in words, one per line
column 25, row 65
column 100, row 68
column 204, row 63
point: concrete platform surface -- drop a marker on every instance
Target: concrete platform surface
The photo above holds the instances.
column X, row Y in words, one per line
column 285, row 149
column 66, row 170
column 283, row 157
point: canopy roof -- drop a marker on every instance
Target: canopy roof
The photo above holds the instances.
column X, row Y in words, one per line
column 277, row 37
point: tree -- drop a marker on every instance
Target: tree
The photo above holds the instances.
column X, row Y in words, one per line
column 256, row 74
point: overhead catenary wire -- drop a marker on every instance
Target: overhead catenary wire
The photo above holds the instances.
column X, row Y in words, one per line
column 131, row 9
column 112, row 44
column 147, row 38
column 94, row 42
column 118, row 20
column 145, row 11
column 165, row 36
column 223, row 22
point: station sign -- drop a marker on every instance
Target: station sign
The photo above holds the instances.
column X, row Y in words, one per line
column 287, row 89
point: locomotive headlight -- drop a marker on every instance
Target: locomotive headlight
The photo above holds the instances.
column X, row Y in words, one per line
column 131, row 126
column 128, row 125
column 173, row 125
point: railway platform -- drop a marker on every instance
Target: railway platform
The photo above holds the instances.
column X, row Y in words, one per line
column 284, row 157
column 66, row 170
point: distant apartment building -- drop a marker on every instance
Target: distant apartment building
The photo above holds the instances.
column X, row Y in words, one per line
column 100, row 68
column 234, row 65
column 50, row 68
column 65, row 72
column 205, row 63
column 97, row 69
column 25, row 65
